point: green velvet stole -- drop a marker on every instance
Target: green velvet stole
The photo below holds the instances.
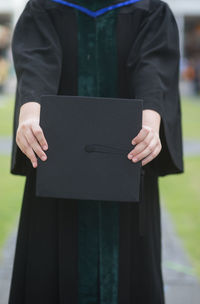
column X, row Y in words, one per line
column 98, row 220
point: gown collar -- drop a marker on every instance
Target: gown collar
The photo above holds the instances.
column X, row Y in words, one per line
column 106, row 6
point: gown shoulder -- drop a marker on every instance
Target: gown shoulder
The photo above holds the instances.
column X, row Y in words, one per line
column 153, row 65
column 37, row 53
column 37, row 58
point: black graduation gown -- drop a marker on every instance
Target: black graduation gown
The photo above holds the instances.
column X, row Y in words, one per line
column 71, row 251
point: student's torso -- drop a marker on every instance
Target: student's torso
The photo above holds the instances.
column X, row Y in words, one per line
column 96, row 49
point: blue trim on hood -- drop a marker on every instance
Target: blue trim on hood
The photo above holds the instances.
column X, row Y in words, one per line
column 98, row 12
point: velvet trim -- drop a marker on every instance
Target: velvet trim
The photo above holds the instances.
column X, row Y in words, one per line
column 98, row 220
column 99, row 12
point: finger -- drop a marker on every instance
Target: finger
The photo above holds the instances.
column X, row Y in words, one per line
column 35, row 145
column 31, row 155
column 147, row 151
column 150, row 157
column 141, row 135
column 26, row 149
column 37, row 131
column 141, row 146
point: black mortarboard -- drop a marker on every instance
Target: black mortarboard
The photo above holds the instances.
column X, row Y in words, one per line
column 89, row 139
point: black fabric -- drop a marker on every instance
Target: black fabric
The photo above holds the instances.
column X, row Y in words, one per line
column 89, row 139
column 51, row 279
column 149, row 69
column 39, row 278
column 147, row 44
column 140, row 276
column 153, row 72
column 37, row 58
column 48, row 239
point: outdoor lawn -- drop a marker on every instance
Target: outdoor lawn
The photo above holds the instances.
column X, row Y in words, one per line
column 181, row 196
column 10, row 197
column 6, row 115
column 180, row 193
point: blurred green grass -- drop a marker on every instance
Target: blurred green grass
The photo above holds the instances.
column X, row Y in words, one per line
column 181, row 196
column 10, row 198
column 190, row 116
column 6, row 116
column 180, row 193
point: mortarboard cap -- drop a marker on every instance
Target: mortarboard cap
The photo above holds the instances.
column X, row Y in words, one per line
column 89, row 139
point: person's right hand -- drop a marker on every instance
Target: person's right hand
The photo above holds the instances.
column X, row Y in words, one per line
column 30, row 137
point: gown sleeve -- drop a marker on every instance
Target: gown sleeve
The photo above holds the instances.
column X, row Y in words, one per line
column 154, row 65
column 37, row 54
column 37, row 58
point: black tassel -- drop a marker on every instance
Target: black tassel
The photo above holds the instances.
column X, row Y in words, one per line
column 142, row 206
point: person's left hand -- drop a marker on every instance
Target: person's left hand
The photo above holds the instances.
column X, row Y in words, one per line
column 148, row 144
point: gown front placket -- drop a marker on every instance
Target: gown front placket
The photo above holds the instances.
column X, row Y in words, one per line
column 98, row 220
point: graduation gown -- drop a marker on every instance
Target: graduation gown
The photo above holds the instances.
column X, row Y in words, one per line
column 87, row 252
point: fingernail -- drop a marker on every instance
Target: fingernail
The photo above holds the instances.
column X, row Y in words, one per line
column 45, row 147
column 34, row 165
column 133, row 142
column 134, row 159
column 130, row 156
column 44, row 157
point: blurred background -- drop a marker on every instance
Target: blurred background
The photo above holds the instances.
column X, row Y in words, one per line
column 180, row 193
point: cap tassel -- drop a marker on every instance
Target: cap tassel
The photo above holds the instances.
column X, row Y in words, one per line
column 142, row 223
